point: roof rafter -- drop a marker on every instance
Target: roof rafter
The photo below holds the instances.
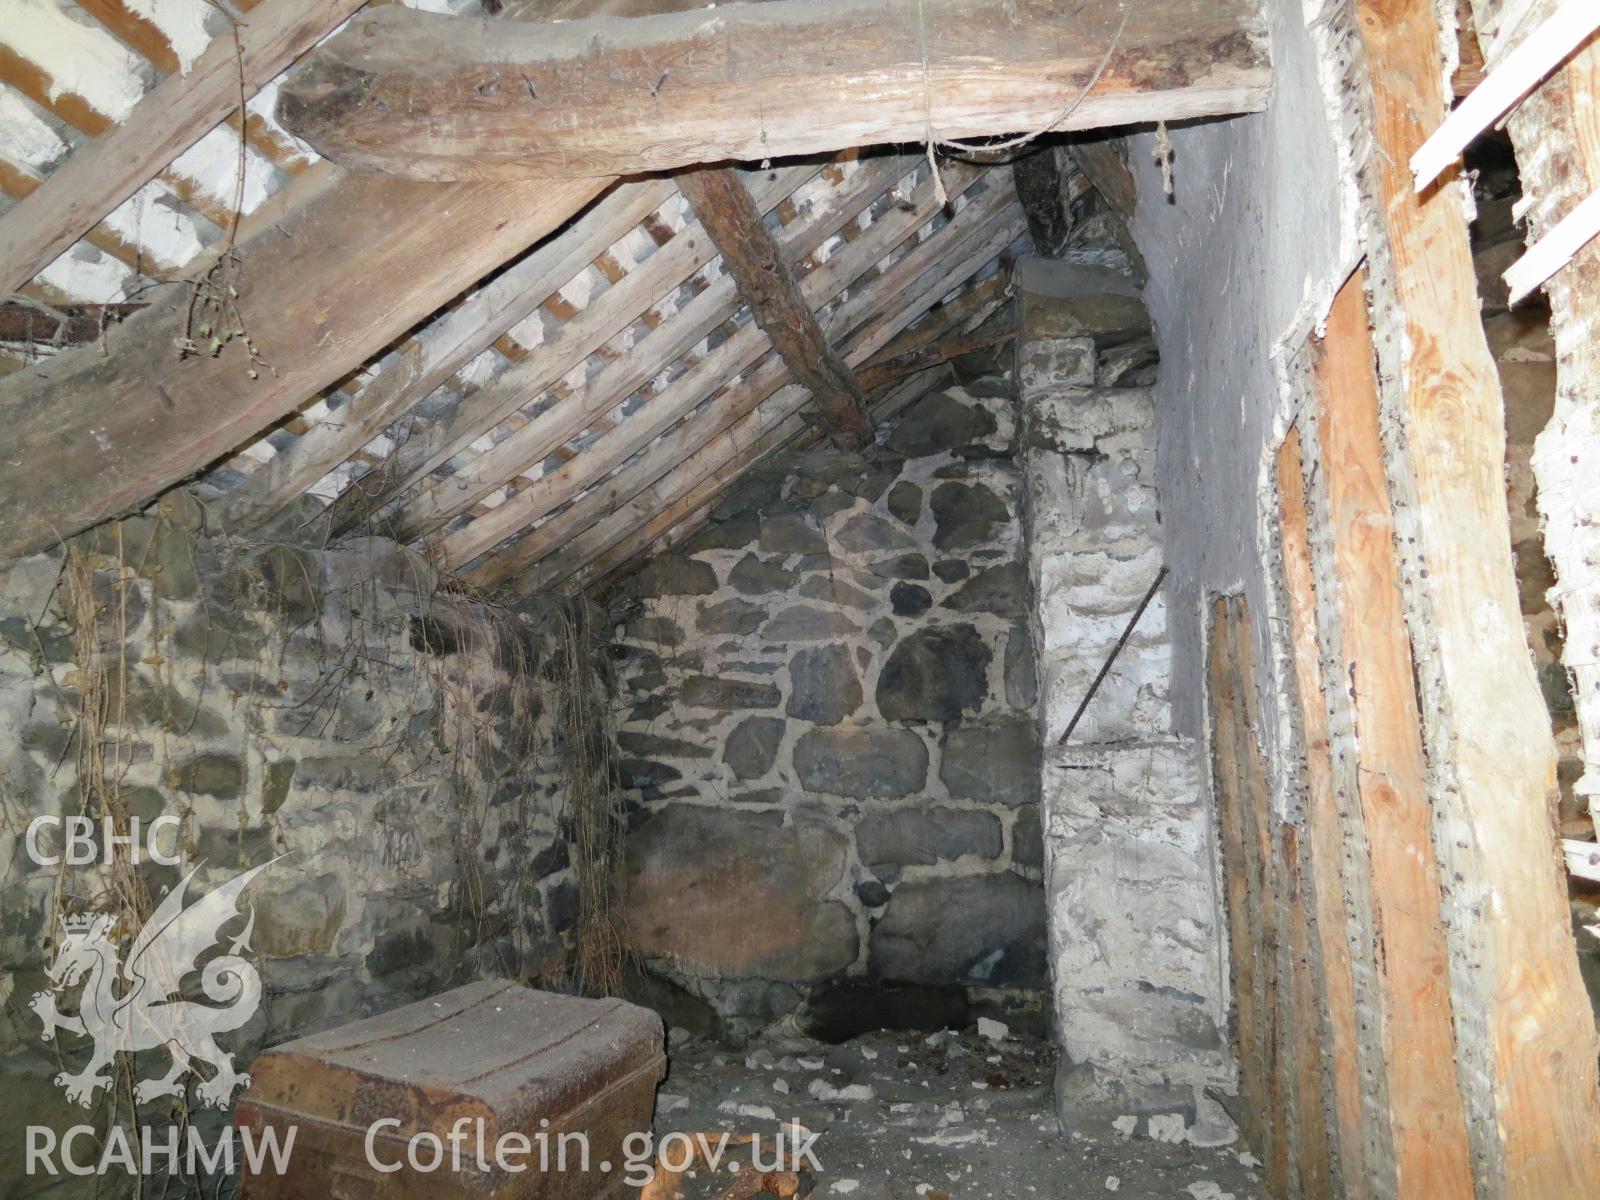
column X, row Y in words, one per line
column 95, row 435
column 729, row 422
column 767, row 285
column 439, row 351
column 580, row 337
column 693, row 323
column 720, row 367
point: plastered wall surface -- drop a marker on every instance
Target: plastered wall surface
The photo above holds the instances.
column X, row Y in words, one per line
column 1244, row 257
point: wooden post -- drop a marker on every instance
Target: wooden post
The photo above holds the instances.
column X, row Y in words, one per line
column 1431, row 1152
column 1525, row 1036
column 1324, row 875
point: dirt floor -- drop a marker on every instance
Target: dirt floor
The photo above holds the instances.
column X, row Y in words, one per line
column 902, row 1116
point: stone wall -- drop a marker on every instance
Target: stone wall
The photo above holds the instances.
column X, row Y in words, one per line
column 1129, row 863
column 390, row 750
column 830, row 737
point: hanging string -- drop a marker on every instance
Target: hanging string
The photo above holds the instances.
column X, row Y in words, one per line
column 983, row 151
column 928, row 138
column 1163, row 156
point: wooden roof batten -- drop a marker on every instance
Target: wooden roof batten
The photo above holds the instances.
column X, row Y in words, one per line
column 635, row 346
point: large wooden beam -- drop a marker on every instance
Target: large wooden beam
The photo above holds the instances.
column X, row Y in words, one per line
column 93, row 434
column 751, row 255
column 1556, row 134
column 175, row 114
column 1525, row 1039
column 439, row 351
column 439, row 97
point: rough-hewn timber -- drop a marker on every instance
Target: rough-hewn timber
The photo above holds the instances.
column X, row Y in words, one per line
column 440, row 97
column 730, row 216
column 1525, row 1037
column 95, row 433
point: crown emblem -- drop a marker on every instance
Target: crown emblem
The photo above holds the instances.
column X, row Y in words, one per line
column 81, row 923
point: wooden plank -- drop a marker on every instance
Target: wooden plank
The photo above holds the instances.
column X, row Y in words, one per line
column 954, row 346
column 1526, row 1036
column 95, row 435
column 697, row 320
column 67, row 106
column 745, row 417
column 1303, row 1027
column 17, row 183
column 1228, row 759
column 767, row 284
column 441, row 97
column 1432, row 1156
column 141, row 35
column 438, row 351
column 1538, row 52
column 174, row 115
column 583, row 334
column 1324, row 874
column 965, row 312
column 684, row 394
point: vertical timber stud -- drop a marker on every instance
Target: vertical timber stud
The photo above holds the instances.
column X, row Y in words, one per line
column 1556, row 132
column 1525, row 1035
column 1276, row 1027
column 1231, row 781
column 1431, row 1152
column 1323, row 847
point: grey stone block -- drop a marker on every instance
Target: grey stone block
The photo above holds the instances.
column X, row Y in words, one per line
column 791, row 533
column 924, row 836
column 702, row 691
column 737, row 617
column 752, row 747
column 669, row 575
column 754, row 576
column 737, row 894
column 939, row 422
column 966, row 514
column 910, row 599
column 881, row 764
column 983, row 930
column 905, row 501
column 867, row 533
column 1001, row 590
column 995, row 762
column 934, row 674
column 804, row 624
column 823, row 686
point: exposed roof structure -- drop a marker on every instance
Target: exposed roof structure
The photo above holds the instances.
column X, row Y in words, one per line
column 539, row 410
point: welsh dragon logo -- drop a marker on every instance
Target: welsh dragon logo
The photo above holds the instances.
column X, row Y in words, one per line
column 129, row 1003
